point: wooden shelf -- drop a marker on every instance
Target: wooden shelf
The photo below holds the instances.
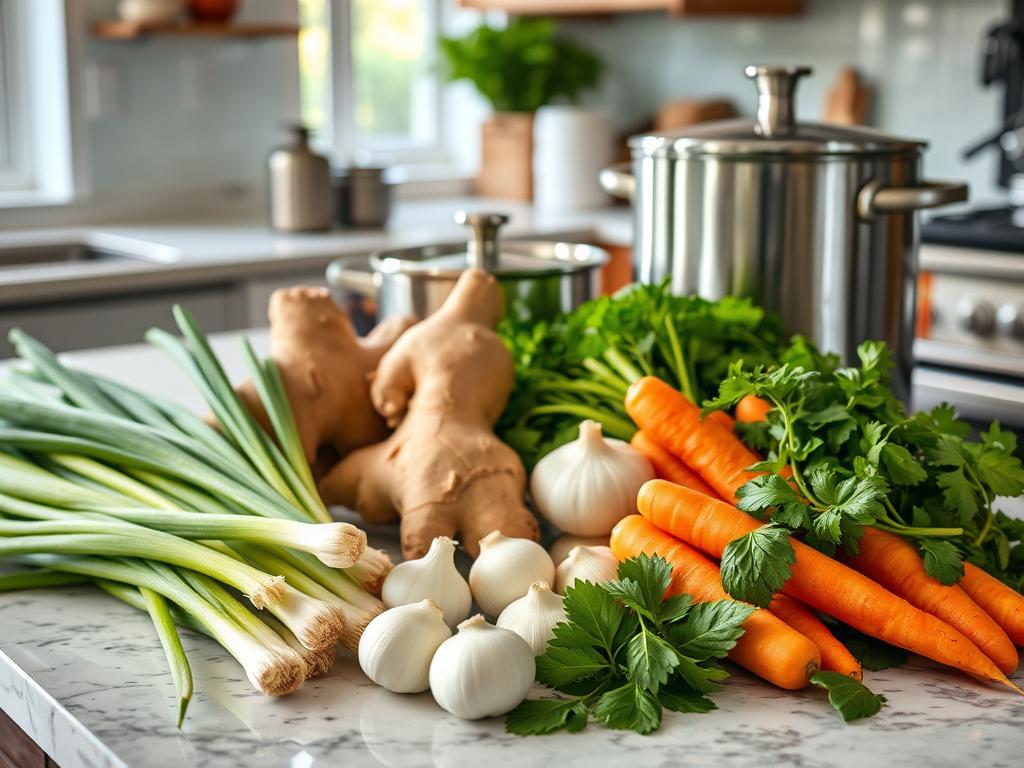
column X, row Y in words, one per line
column 674, row 7
column 133, row 30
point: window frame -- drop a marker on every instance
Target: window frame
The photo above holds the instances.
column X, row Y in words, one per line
column 342, row 134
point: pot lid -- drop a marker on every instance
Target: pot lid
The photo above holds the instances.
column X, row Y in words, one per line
column 774, row 131
column 529, row 259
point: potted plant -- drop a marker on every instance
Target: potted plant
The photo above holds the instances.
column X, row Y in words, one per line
column 517, row 69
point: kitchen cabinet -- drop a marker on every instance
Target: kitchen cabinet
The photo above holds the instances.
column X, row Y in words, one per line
column 673, row 7
column 17, row 750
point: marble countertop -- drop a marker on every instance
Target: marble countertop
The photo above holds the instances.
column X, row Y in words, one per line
column 190, row 252
column 85, row 677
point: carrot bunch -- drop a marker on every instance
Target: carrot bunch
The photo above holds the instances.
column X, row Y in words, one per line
column 883, row 592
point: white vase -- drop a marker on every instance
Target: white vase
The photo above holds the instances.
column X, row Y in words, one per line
column 570, row 147
column 150, row 11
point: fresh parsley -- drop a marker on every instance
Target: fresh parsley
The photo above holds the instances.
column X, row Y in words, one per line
column 579, row 365
column 852, row 457
column 626, row 652
column 850, row 698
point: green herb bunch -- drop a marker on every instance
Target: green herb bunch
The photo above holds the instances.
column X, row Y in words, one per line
column 626, row 652
column 579, row 365
column 855, row 459
column 522, row 66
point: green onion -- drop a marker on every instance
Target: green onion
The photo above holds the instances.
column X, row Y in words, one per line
column 38, row 579
column 181, row 673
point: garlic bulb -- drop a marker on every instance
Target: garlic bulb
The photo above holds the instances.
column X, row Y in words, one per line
column 561, row 547
column 505, row 569
column 585, row 487
column 396, row 648
column 593, row 564
column 534, row 615
column 483, row 671
column 432, row 577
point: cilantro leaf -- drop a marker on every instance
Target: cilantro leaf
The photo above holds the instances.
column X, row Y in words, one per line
column 851, row 699
column 652, row 574
column 942, row 561
column 685, row 701
column 712, row 629
column 539, row 716
column 793, row 515
column 959, row 494
column 562, row 664
column 593, row 612
column 756, row 565
column 901, row 467
column 650, row 660
column 1002, row 473
column 630, row 594
column 702, row 677
column 675, row 608
column 765, row 491
column 629, row 707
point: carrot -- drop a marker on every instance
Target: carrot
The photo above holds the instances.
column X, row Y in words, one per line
column 752, row 408
column 717, row 455
column 835, row 657
column 723, row 419
column 895, row 564
column 817, row 580
column 999, row 601
column 768, row 647
column 668, row 466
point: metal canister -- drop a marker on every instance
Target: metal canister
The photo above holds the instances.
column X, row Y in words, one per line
column 300, row 186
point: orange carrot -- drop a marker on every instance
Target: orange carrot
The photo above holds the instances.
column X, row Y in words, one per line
column 752, row 408
column 817, row 580
column 894, row 563
column 999, row 601
column 667, row 466
column 835, row 657
column 723, row 419
column 768, row 647
column 717, row 455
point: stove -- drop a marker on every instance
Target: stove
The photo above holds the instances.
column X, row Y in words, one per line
column 969, row 346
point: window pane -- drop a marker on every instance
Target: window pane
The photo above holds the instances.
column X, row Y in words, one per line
column 388, row 62
column 314, row 63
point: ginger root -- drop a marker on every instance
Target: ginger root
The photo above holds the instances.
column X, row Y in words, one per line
column 443, row 385
column 325, row 368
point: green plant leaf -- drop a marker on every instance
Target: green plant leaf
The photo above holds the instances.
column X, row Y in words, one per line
column 711, row 630
column 755, row 566
column 629, row 707
column 534, row 717
column 851, row 699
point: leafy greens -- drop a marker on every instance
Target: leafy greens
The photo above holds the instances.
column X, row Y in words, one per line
column 853, row 458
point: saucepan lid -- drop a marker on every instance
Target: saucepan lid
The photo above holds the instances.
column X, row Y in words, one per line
column 516, row 258
column 775, row 131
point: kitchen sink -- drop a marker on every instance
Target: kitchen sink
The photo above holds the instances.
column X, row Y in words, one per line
column 38, row 255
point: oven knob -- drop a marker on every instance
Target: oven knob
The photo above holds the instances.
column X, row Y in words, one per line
column 1010, row 321
column 976, row 316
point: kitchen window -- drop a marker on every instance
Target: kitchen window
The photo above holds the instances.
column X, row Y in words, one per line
column 15, row 170
column 369, row 77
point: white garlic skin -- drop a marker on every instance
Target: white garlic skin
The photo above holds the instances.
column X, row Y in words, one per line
column 505, row 569
column 593, row 564
column 560, row 548
column 397, row 646
column 432, row 577
column 534, row 615
column 483, row 671
column 585, row 487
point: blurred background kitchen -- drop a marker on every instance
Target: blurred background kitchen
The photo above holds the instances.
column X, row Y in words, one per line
column 135, row 135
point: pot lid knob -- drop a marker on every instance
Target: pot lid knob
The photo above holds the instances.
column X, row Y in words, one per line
column 776, row 110
column 483, row 248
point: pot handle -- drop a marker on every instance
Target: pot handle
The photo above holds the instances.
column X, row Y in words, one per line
column 876, row 198
column 618, row 180
column 357, row 281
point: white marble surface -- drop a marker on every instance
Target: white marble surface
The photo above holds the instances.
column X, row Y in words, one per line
column 204, row 251
column 85, row 677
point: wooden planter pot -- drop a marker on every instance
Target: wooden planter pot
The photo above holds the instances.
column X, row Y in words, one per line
column 506, row 163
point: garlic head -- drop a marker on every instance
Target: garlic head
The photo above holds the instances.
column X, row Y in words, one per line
column 482, row 671
column 560, row 548
column 397, row 647
column 505, row 569
column 534, row 615
column 585, row 487
column 432, row 577
column 593, row 564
